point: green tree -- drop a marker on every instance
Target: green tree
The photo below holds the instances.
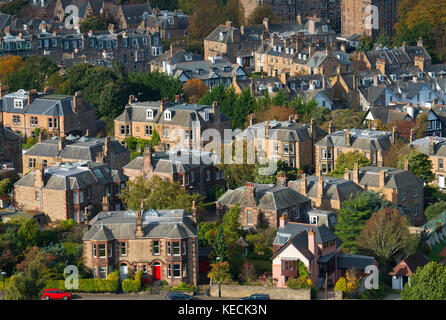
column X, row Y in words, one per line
column 158, row 194
column 365, row 43
column 383, row 41
column 353, row 215
column 348, row 160
column 220, row 248
column 419, row 164
column 94, row 23
column 28, row 234
column 231, row 225
column 434, row 210
column 33, row 74
column 427, row 283
column 280, row 99
column 29, row 284
column 59, row 254
column 6, row 185
column 206, row 233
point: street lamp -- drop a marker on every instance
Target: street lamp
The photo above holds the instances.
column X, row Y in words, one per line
column 3, row 275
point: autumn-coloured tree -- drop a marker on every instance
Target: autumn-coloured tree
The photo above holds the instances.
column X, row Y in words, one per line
column 220, row 272
column 233, row 11
column 8, row 64
column 194, row 89
column 205, row 18
column 348, row 160
column 278, row 113
column 385, row 235
column 397, row 151
column 403, row 128
column 260, row 13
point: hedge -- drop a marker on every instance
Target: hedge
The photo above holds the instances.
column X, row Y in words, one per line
column 87, row 285
column 6, row 283
column 129, row 285
column 184, row 287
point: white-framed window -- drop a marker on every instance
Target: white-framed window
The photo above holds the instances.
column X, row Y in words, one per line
column 313, row 219
column 135, row 268
column 168, row 248
column 169, row 271
column 149, row 114
column 18, row 103
column 167, row 115
column 403, row 195
column 101, row 251
column 156, row 248
column 144, row 269
column 177, row 271
column 184, row 247
column 94, row 250
column 123, row 248
column 176, row 248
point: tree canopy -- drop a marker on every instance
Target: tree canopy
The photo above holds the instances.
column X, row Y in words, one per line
column 353, row 215
column 260, row 13
column 348, row 160
column 419, row 164
column 427, row 283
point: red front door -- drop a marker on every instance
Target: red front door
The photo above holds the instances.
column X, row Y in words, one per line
column 156, row 272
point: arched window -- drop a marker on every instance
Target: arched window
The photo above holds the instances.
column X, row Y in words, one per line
column 149, row 114
column 167, row 115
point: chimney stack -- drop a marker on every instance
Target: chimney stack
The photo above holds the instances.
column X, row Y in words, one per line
column 281, row 179
column 61, row 142
column 313, row 130
column 139, row 216
column 382, row 178
column 86, row 218
column 249, row 194
column 356, row 173
column 31, row 94
column 431, row 146
column 412, row 135
column 77, row 101
column 303, row 184
column 320, row 187
column 406, row 164
column 331, row 127
column 312, row 243
column 147, row 162
column 420, row 42
column 267, row 129
column 347, row 174
column 348, row 138
column 164, row 104
column 105, row 204
column 394, row 134
column 38, row 176
column 3, row 90
column 194, row 212
column 283, row 220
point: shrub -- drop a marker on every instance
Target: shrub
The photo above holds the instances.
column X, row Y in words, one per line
column 66, row 225
column 299, row 283
column 115, row 275
column 184, row 287
column 341, row 285
column 129, row 285
column 87, row 285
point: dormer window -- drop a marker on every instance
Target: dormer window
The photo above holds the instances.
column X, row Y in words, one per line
column 18, row 103
column 206, row 116
column 149, row 114
column 167, row 115
column 304, row 57
column 222, row 35
column 227, row 69
column 325, row 28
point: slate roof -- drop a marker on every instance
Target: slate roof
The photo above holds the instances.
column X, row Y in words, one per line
column 299, row 241
column 334, row 188
column 163, row 20
column 397, row 57
column 206, row 69
column 267, row 197
column 322, row 233
column 359, row 262
column 70, row 176
column 360, row 139
column 86, row 149
column 170, row 224
column 394, row 178
column 172, row 162
column 182, row 114
column 387, row 114
column 422, row 145
column 283, row 131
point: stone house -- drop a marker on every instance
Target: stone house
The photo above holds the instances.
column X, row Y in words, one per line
column 162, row 244
column 24, row 111
column 10, row 152
column 196, row 171
column 290, row 141
column 74, row 149
column 374, row 145
column 65, row 191
column 402, row 272
column 326, row 193
column 400, row 187
column 170, row 25
column 263, row 204
column 179, row 125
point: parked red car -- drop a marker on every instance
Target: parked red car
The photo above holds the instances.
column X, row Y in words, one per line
column 56, row 294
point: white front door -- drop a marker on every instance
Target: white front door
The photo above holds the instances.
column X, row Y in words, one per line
column 441, row 181
column 123, row 269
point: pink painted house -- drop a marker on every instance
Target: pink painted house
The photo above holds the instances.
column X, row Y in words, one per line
column 317, row 247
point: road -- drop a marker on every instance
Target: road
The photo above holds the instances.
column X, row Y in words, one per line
column 139, row 296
